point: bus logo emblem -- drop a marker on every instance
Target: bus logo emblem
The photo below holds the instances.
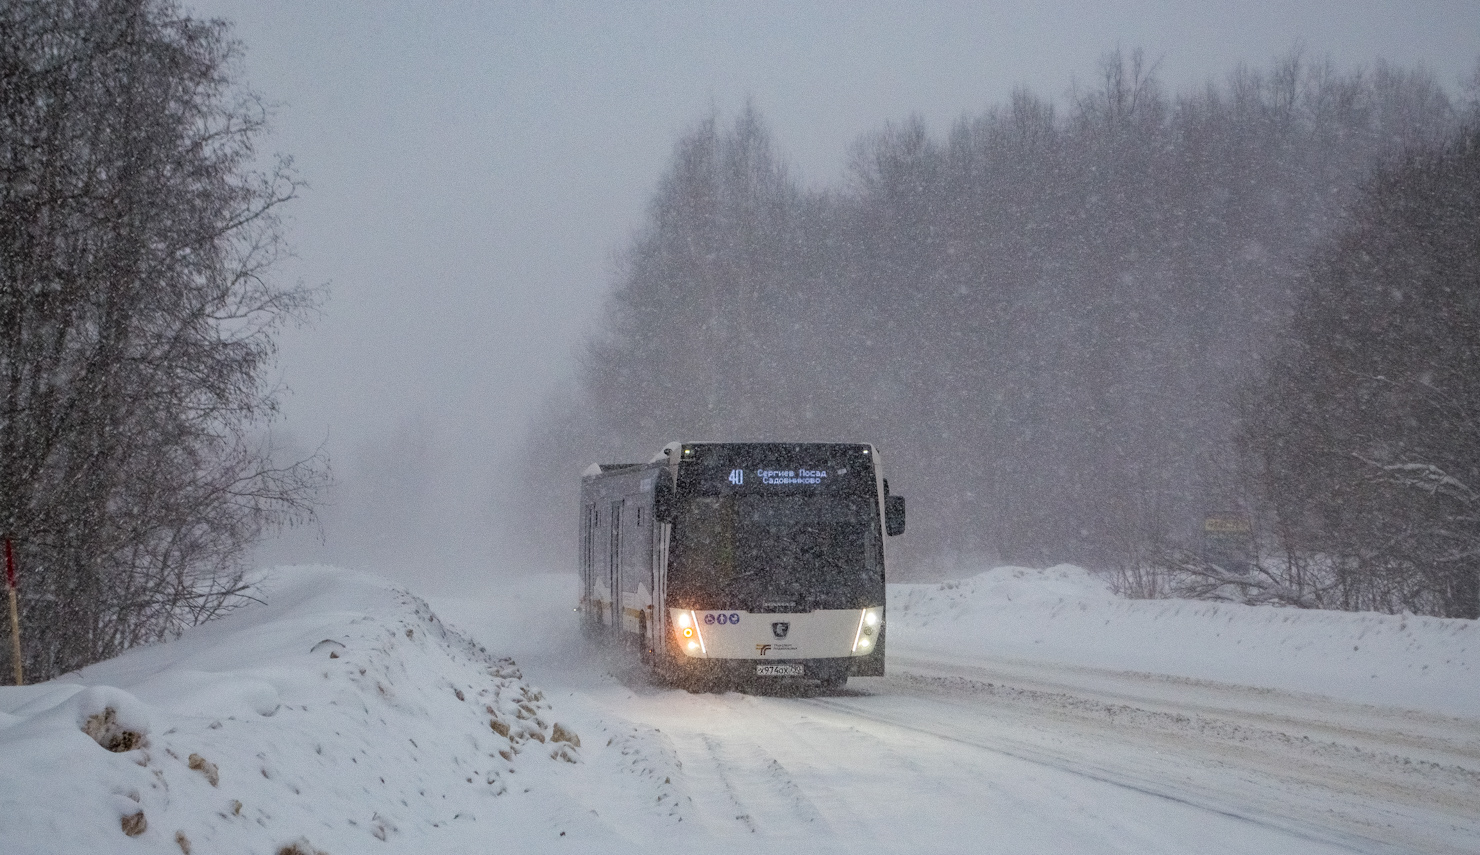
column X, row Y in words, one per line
column 780, row 628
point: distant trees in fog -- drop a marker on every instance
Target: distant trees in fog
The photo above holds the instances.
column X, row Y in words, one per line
column 136, row 325
column 1044, row 318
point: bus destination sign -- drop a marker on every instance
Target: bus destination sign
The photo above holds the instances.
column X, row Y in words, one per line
column 780, row 477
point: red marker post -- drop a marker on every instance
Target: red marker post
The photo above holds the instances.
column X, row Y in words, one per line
column 15, row 614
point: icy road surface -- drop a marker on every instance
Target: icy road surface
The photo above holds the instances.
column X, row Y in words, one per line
column 964, row 750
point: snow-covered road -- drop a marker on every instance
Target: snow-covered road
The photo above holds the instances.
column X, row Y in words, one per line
column 970, row 752
column 1329, row 770
column 892, row 769
column 946, row 757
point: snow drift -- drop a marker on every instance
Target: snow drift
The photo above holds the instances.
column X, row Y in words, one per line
column 1067, row 615
column 339, row 715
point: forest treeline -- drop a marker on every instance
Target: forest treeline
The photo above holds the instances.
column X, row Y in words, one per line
column 1361, row 431
column 1054, row 320
column 137, row 324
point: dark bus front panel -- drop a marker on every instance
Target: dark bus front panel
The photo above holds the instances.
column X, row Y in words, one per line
column 785, row 541
column 776, row 528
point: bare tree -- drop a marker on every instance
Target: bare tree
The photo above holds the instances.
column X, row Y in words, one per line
column 137, row 321
column 1367, row 425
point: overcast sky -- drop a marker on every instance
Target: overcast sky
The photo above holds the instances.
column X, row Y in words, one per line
column 473, row 167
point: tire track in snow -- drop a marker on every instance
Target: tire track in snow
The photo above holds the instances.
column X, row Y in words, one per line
column 761, row 791
column 1024, row 751
column 1379, row 755
column 1224, row 760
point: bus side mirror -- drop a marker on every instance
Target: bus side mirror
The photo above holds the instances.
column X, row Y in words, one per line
column 664, row 502
column 894, row 515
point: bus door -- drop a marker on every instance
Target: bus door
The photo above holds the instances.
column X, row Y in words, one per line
column 588, row 558
column 614, row 566
column 636, row 567
column 658, row 630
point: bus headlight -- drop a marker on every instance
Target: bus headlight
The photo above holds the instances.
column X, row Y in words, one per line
column 870, row 624
column 686, row 628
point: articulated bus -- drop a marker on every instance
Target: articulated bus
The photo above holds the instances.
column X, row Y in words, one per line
column 740, row 564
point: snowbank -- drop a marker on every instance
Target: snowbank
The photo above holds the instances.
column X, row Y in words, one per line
column 1066, row 615
column 341, row 715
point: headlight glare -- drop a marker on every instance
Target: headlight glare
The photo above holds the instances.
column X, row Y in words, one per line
column 868, row 620
column 686, row 628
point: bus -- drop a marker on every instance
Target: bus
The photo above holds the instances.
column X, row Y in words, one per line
column 740, row 564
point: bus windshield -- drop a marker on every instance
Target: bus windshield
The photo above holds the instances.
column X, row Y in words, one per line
column 776, row 553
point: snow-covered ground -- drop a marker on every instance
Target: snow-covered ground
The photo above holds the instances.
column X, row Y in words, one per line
column 342, row 716
column 1025, row 711
column 1066, row 615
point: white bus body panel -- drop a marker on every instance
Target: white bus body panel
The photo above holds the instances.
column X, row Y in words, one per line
column 823, row 634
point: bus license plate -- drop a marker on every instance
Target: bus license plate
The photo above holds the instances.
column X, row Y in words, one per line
column 779, row 670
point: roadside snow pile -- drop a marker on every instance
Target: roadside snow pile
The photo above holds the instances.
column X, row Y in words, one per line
column 1066, row 615
column 340, row 717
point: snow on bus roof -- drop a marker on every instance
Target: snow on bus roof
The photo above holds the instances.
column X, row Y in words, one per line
column 597, row 468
